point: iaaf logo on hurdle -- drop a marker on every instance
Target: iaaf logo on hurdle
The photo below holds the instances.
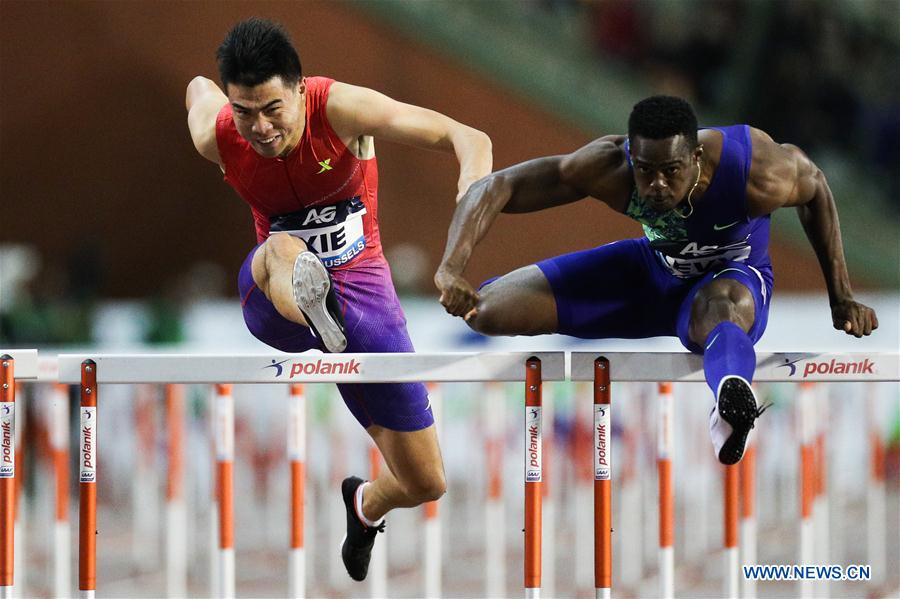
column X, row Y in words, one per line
column 350, row 366
column 834, row 366
column 7, row 425
column 533, row 444
column 601, row 442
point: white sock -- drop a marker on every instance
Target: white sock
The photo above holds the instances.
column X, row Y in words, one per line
column 358, row 504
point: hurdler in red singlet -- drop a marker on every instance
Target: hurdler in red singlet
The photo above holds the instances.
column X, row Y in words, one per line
column 320, row 192
column 300, row 152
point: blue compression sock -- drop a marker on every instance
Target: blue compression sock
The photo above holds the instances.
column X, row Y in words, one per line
column 728, row 351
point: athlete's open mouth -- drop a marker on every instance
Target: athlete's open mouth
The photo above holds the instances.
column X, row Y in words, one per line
column 268, row 140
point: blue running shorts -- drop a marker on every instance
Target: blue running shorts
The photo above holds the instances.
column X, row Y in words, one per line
column 622, row 291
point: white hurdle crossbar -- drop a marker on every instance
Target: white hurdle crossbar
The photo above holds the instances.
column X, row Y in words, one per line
column 604, row 367
column 93, row 370
column 770, row 367
column 303, row 368
column 26, row 363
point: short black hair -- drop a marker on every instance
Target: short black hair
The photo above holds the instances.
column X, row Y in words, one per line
column 659, row 117
column 256, row 50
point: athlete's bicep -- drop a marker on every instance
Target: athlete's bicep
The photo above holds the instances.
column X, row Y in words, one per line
column 538, row 184
column 203, row 101
column 354, row 111
column 593, row 170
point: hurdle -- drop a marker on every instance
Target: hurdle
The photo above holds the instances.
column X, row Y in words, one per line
column 93, row 370
column 15, row 365
column 665, row 442
column 58, row 425
column 176, row 511
column 602, row 368
column 747, row 475
column 378, row 566
column 806, row 434
column 876, row 497
column 297, row 457
column 494, row 514
column 432, row 583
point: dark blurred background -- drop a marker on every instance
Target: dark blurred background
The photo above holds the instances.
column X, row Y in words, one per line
column 103, row 196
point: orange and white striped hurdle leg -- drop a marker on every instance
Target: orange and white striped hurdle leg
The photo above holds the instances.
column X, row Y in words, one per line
column 665, row 441
column 821, row 508
column 533, row 478
column 548, row 506
column 433, row 533
column 700, row 468
column 7, row 474
column 634, row 500
column 296, row 447
column 876, row 497
column 581, row 464
column 494, row 514
column 213, row 540
column 176, row 510
column 224, row 431
column 87, row 454
column 379, row 566
column 145, row 481
column 21, row 507
column 337, row 515
column 730, row 555
column 59, row 442
column 806, row 425
column 602, row 481
column 747, row 477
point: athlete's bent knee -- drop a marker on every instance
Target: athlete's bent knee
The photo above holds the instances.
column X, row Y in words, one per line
column 426, row 487
column 720, row 301
column 283, row 246
column 488, row 318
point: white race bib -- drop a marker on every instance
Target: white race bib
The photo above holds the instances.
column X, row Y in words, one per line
column 334, row 233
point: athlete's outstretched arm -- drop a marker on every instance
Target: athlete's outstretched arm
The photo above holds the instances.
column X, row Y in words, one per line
column 527, row 187
column 793, row 180
column 356, row 111
column 203, row 100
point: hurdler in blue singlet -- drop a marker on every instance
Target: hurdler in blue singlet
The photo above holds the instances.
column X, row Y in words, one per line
column 645, row 287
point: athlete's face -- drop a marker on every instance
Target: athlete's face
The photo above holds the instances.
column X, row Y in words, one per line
column 270, row 115
column 664, row 169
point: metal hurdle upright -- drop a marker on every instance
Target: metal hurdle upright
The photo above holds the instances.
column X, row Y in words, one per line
column 685, row 367
column 92, row 370
column 15, row 364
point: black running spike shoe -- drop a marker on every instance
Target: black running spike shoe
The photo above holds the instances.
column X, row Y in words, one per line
column 732, row 418
column 315, row 297
column 356, row 548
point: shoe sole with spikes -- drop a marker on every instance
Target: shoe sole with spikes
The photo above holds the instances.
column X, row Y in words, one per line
column 311, row 285
column 737, row 406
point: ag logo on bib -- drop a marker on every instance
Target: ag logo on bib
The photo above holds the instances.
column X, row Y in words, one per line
column 334, row 233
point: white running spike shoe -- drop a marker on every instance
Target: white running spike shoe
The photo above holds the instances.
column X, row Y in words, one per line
column 732, row 418
column 315, row 298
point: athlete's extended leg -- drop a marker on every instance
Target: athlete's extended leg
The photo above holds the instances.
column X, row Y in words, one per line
column 518, row 303
column 723, row 310
column 415, row 475
column 299, row 287
column 611, row 291
column 415, row 472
